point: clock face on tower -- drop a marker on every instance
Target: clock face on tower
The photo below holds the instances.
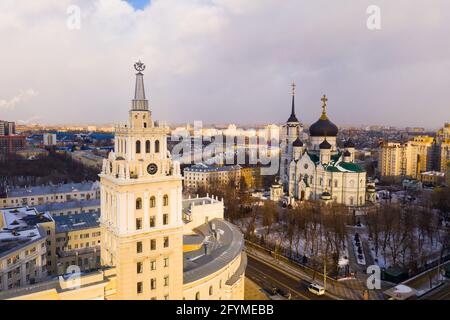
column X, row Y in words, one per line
column 152, row 168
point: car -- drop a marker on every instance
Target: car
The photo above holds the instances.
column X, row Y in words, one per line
column 316, row 289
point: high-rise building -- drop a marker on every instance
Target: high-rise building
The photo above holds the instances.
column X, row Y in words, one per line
column 144, row 218
column 10, row 142
column 141, row 184
column 398, row 159
column 49, row 139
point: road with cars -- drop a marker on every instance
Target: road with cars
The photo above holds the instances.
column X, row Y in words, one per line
column 268, row 277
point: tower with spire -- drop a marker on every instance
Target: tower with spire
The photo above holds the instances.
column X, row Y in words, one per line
column 141, row 207
column 290, row 133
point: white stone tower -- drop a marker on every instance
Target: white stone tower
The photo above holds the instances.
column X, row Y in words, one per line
column 141, row 207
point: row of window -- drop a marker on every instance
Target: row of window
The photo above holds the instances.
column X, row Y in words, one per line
column 147, row 146
column 152, row 244
column 140, row 284
column 152, row 202
column 140, row 265
column 152, row 221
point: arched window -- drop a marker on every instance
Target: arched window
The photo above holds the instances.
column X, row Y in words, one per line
column 138, row 203
column 351, row 201
column 165, row 200
column 138, row 146
column 335, row 183
column 157, row 146
column 147, row 146
column 152, row 202
column 211, row 290
column 197, row 296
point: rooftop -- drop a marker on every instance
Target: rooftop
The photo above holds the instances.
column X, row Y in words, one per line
column 20, row 228
column 222, row 243
column 201, row 167
column 52, row 189
column 188, row 203
column 336, row 164
column 55, row 206
column 79, row 221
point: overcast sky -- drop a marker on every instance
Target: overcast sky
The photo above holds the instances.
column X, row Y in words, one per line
column 227, row 61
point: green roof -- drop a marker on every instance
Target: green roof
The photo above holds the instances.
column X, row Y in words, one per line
column 335, row 165
column 350, row 166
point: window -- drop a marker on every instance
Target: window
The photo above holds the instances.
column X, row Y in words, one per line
column 139, row 268
column 153, row 265
column 166, row 281
column 157, row 146
column 166, row 262
column 153, row 244
column 153, row 283
column 211, row 290
column 138, row 146
column 335, row 183
column 139, row 247
column 166, row 242
column 165, row 219
column 152, row 221
column 197, row 296
column 138, row 203
column 165, row 200
column 138, row 223
column 147, row 146
column 152, row 202
column 139, row 287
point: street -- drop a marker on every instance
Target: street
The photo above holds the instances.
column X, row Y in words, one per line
column 442, row 293
column 267, row 277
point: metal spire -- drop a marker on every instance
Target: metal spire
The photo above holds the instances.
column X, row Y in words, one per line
column 139, row 102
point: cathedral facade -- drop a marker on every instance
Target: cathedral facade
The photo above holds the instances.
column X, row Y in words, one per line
column 314, row 168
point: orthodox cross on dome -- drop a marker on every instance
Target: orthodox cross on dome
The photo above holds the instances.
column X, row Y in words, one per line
column 139, row 66
column 324, row 107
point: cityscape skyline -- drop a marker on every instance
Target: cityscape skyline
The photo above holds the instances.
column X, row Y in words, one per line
column 193, row 76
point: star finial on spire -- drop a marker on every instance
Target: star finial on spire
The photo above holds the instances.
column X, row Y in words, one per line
column 139, row 66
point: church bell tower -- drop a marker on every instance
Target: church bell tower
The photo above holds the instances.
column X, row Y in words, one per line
column 141, row 207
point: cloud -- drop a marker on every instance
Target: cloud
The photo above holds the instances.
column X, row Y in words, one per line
column 12, row 103
column 229, row 60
